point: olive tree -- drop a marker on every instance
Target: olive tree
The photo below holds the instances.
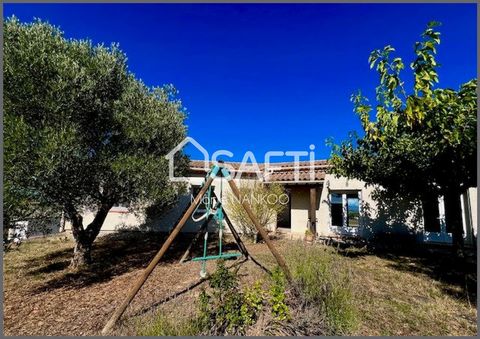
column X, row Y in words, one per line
column 81, row 132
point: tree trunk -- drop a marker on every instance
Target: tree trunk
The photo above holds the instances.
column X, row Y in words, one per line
column 453, row 219
column 81, row 253
column 84, row 237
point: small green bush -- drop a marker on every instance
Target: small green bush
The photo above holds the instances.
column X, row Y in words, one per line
column 253, row 303
column 227, row 309
column 277, row 296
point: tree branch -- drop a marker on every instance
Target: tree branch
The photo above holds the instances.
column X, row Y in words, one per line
column 94, row 227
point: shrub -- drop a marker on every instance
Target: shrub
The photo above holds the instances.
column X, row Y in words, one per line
column 277, row 296
column 322, row 282
column 253, row 303
column 227, row 309
column 264, row 200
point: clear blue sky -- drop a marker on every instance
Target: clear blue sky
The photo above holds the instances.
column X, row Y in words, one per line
column 263, row 77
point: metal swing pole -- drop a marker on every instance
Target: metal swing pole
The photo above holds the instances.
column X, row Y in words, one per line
column 146, row 273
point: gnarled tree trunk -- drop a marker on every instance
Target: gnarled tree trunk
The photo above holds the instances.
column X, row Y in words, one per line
column 82, row 252
column 84, row 237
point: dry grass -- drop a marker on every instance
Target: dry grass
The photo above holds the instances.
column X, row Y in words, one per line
column 393, row 294
column 398, row 302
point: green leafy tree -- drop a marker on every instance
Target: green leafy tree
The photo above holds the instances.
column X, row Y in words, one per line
column 81, row 132
column 419, row 145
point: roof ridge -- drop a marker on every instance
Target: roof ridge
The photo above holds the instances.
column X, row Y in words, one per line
column 271, row 163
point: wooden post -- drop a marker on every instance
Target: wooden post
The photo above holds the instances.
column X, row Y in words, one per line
column 141, row 280
column 313, row 209
column 281, row 262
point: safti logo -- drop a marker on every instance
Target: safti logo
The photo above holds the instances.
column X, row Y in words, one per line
column 248, row 164
column 171, row 157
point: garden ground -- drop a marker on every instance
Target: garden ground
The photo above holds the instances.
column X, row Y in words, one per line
column 425, row 293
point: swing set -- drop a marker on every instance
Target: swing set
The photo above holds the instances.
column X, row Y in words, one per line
column 218, row 215
column 216, row 212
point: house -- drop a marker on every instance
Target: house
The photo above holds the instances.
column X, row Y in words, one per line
column 317, row 200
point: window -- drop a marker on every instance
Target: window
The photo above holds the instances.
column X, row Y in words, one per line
column 353, row 210
column 337, row 209
column 345, row 209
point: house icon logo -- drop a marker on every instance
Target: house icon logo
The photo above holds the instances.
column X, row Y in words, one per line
column 171, row 157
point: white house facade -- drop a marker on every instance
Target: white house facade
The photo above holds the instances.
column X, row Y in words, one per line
column 331, row 206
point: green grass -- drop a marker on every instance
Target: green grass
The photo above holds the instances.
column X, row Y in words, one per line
column 162, row 325
column 325, row 283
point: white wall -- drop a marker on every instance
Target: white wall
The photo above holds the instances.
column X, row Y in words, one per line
column 120, row 217
column 371, row 220
column 374, row 218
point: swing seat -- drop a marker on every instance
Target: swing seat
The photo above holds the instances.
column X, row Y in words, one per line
column 220, row 256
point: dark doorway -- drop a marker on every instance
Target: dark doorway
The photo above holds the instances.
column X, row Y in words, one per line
column 284, row 219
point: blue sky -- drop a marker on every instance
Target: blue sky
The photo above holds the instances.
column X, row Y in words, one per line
column 261, row 77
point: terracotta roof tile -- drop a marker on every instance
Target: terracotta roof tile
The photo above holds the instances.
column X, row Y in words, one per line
column 276, row 172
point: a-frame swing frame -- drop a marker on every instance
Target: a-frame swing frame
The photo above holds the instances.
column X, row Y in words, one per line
column 217, row 169
column 204, row 227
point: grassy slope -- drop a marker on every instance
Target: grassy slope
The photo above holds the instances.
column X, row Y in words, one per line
column 394, row 302
column 393, row 295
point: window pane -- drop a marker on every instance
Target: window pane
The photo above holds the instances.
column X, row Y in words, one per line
column 336, row 209
column 336, row 198
column 353, row 210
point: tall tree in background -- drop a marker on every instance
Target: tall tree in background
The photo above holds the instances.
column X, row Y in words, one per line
column 420, row 145
column 80, row 131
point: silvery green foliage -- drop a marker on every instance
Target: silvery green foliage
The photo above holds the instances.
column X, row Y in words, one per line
column 80, row 130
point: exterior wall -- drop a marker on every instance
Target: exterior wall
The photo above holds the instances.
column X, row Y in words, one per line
column 396, row 217
column 167, row 222
column 375, row 217
column 300, row 202
column 119, row 218
column 340, row 185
